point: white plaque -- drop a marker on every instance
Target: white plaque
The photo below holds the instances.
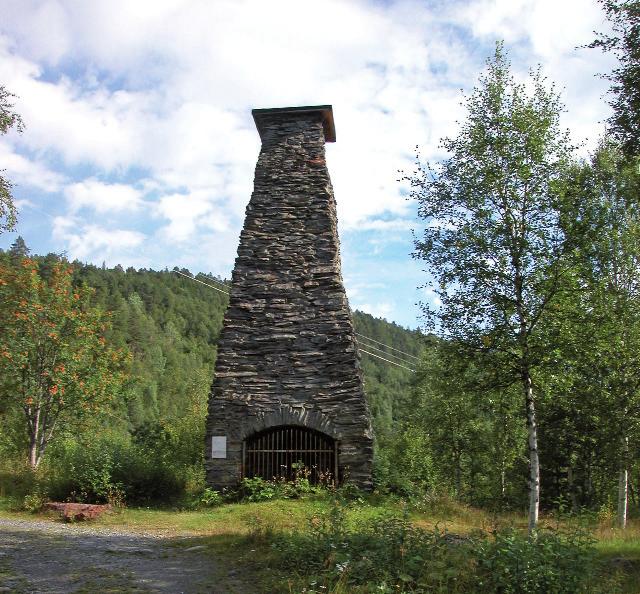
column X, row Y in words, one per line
column 219, row 446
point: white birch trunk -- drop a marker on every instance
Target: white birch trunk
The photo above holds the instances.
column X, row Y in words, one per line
column 623, row 485
column 571, row 484
column 534, row 462
column 33, row 441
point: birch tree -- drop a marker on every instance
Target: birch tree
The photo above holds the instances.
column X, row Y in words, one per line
column 494, row 242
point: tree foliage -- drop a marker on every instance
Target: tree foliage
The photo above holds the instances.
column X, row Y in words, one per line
column 603, row 346
column 55, row 363
column 8, row 119
column 624, row 16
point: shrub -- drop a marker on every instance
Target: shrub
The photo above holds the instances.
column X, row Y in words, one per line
column 403, row 463
column 549, row 561
column 84, row 472
column 113, row 469
column 211, row 498
column 390, row 554
column 34, row 502
column 17, row 478
column 387, row 553
column 257, row 489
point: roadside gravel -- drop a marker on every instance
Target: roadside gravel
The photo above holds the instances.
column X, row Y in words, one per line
column 39, row 557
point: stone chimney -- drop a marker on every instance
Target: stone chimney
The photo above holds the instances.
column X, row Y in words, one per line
column 288, row 386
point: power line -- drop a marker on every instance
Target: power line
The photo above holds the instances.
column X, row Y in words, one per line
column 389, row 347
column 387, row 360
column 35, row 208
column 201, row 282
column 385, row 353
column 215, row 280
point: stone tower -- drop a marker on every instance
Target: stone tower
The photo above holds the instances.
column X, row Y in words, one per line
column 288, row 386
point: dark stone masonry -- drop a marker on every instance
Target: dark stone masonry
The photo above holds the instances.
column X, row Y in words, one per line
column 287, row 356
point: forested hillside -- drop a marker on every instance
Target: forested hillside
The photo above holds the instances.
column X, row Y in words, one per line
column 171, row 325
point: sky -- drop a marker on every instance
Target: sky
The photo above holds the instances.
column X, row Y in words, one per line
column 139, row 147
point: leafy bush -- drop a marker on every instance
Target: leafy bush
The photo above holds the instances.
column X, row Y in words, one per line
column 33, row 502
column 387, row 553
column 258, row 489
column 403, row 463
column 84, row 472
column 549, row 561
column 17, row 478
column 211, row 498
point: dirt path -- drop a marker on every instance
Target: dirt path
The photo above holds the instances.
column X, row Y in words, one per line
column 45, row 557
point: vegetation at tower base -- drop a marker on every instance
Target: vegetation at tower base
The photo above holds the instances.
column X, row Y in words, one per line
column 495, row 243
column 8, row 119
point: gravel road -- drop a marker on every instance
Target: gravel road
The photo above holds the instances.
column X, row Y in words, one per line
column 38, row 557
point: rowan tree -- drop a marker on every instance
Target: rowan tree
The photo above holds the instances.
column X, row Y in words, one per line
column 494, row 243
column 55, row 364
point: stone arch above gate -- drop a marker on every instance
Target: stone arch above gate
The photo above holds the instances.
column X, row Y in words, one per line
column 290, row 415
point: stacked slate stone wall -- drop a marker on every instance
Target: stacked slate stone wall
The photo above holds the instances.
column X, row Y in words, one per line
column 287, row 353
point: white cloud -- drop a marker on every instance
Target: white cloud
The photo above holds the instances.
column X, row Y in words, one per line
column 102, row 197
column 553, row 34
column 22, row 170
column 357, row 289
column 387, row 225
column 432, row 297
column 173, row 82
column 187, row 213
column 192, row 71
column 94, row 243
column 379, row 310
column 551, row 27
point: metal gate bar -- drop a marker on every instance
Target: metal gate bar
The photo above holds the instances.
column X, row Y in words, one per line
column 271, row 454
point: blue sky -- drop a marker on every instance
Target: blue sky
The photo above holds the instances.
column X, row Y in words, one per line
column 140, row 147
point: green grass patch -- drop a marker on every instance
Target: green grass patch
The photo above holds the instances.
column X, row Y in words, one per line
column 379, row 544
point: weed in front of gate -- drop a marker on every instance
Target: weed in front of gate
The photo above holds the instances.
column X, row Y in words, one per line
column 257, row 489
column 210, row 498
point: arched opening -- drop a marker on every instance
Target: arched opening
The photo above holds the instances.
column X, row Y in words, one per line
column 280, row 452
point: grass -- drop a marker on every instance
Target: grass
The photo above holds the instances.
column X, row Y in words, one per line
column 240, row 532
